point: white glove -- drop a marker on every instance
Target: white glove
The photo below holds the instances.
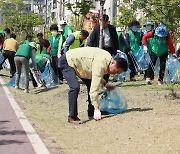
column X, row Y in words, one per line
column 145, row 49
column 97, row 114
column 130, row 53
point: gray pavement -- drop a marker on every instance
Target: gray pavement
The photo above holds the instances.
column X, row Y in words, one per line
column 13, row 139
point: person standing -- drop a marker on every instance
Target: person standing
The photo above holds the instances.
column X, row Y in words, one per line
column 56, row 41
column 9, row 50
column 110, row 38
column 134, row 38
column 38, row 43
column 22, row 56
column 67, row 30
column 160, row 44
column 90, row 64
column 75, row 40
column 149, row 26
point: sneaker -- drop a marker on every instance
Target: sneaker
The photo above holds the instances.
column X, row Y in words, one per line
column 40, row 85
column 26, row 90
column 74, row 120
column 16, row 87
column 60, row 81
column 160, row 83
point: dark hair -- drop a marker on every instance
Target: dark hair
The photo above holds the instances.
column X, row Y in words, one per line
column 40, row 34
column 54, row 27
column 105, row 17
column 134, row 22
column 12, row 35
column 45, row 43
column 85, row 33
column 28, row 36
column 121, row 63
column 7, row 30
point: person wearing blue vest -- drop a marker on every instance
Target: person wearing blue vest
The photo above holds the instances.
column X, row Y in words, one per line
column 56, row 41
column 22, row 56
column 133, row 37
column 75, row 40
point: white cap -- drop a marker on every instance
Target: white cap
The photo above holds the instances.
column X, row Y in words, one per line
column 33, row 44
column 62, row 22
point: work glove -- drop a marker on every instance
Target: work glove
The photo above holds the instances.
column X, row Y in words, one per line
column 130, row 52
column 145, row 48
column 97, row 114
column 109, row 87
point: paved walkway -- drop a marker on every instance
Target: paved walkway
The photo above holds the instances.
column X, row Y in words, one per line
column 17, row 136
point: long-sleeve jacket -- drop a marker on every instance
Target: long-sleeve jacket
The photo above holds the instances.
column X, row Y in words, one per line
column 93, row 65
column 93, row 41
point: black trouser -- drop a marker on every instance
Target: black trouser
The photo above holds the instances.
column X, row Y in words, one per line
column 131, row 66
column 54, row 65
column 10, row 56
column 162, row 65
column 71, row 78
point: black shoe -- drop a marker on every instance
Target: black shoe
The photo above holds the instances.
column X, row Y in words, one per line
column 74, row 120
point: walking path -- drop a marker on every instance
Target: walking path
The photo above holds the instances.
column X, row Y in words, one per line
column 17, row 136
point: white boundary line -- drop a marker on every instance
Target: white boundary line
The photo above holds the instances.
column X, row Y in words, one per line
column 35, row 140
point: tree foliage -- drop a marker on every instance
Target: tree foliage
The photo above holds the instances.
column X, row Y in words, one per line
column 17, row 16
column 161, row 11
column 79, row 11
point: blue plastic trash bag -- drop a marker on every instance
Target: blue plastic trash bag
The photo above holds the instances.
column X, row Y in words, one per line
column 6, row 65
column 21, row 82
column 142, row 59
column 1, row 57
column 49, row 76
column 171, row 73
column 121, row 77
column 113, row 101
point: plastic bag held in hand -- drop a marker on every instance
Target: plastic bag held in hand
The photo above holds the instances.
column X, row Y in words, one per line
column 97, row 114
column 145, row 48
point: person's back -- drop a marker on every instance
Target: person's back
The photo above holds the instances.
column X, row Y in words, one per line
column 10, row 44
column 84, row 59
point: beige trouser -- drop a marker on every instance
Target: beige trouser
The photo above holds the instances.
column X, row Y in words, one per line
column 22, row 62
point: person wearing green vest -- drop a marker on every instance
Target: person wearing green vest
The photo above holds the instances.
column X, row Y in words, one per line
column 67, row 30
column 22, row 56
column 56, row 41
column 4, row 34
column 149, row 26
column 75, row 40
column 160, row 44
column 133, row 37
column 122, row 43
column 38, row 43
column 28, row 39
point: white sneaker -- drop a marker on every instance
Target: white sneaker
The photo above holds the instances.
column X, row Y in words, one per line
column 40, row 85
column 26, row 90
column 16, row 87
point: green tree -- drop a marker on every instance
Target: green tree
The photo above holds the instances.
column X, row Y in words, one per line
column 79, row 11
column 17, row 16
column 161, row 11
column 126, row 15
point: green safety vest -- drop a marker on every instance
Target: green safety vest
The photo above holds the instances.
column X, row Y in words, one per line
column 54, row 44
column 24, row 50
column 39, row 61
column 159, row 45
column 65, row 31
column 122, row 43
column 76, row 43
column 134, row 40
column 38, row 47
column 27, row 42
